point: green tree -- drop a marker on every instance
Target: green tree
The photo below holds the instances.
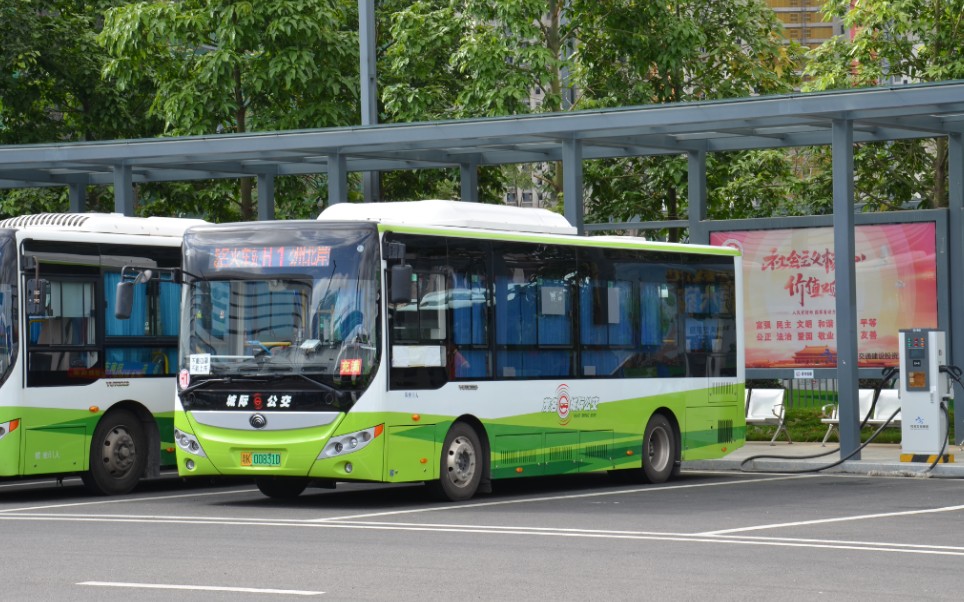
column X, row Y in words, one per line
column 472, row 58
column 51, row 90
column 893, row 41
column 632, row 53
column 239, row 66
column 458, row 59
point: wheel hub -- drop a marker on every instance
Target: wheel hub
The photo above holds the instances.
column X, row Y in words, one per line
column 460, row 462
column 658, row 449
column 119, row 452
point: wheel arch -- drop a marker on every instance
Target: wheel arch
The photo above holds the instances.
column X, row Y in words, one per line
column 151, row 431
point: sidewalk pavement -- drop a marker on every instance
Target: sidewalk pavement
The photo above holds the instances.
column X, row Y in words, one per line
column 877, row 459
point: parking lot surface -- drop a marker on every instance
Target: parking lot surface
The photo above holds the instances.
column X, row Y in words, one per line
column 719, row 535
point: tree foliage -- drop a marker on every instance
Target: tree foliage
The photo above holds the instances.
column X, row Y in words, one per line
column 50, row 77
column 632, row 53
column 892, row 42
column 228, row 66
column 84, row 70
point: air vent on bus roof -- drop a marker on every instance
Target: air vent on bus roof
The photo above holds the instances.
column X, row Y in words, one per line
column 112, row 223
column 69, row 220
column 455, row 214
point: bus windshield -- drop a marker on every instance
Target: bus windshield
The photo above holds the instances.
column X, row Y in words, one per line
column 8, row 302
column 303, row 304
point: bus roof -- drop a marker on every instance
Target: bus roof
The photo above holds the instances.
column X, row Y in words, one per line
column 108, row 223
column 505, row 222
column 452, row 214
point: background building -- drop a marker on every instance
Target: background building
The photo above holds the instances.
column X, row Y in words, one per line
column 804, row 22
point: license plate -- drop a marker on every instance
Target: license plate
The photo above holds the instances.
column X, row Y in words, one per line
column 260, row 459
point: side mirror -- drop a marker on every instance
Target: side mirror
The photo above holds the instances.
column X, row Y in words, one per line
column 38, row 293
column 124, row 294
column 123, row 300
column 400, row 283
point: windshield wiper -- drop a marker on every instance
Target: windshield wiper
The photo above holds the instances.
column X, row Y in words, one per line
column 204, row 383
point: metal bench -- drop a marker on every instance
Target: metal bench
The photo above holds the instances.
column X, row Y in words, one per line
column 887, row 403
column 765, row 407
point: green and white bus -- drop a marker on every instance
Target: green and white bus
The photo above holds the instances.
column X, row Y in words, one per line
column 454, row 344
column 81, row 391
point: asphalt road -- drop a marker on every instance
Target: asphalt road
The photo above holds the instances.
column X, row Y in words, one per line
column 719, row 536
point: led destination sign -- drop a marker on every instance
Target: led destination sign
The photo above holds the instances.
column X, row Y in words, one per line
column 294, row 256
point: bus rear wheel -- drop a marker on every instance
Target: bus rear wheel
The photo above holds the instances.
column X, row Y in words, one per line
column 118, row 454
column 659, row 449
column 461, row 464
column 282, row 488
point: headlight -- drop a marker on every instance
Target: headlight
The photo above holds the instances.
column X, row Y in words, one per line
column 352, row 442
column 188, row 443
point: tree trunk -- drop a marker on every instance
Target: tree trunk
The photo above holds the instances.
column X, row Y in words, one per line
column 248, row 210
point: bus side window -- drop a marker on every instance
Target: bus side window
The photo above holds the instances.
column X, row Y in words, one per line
column 534, row 310
column 63, row 348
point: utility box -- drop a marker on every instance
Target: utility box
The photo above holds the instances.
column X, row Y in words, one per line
column 923, row 390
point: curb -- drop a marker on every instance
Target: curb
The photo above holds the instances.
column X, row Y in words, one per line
column 865, row 467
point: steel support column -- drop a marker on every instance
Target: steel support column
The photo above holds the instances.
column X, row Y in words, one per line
column 842, row 147
column 123, row 190
column 337, row 179
column 469, row 176
column 696, row 185
column 265, row 197
column 955, row 206
column 572, row 186
column 76, row 195
column 371, row 185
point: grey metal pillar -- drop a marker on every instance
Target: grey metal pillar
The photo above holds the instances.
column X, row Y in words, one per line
column 75, row 195
column 337, row 179
column 572, row 188
column 265, row 197
column 955, row 207
column 123, row 190
column 696, row 185
column 842, row 147
column 371, row 186
column 469, row 176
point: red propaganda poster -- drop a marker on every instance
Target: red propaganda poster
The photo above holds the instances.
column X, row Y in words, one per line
column 790, row 295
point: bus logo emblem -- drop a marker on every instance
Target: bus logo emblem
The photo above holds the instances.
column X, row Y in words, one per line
column 562, row 404
column 258, row 421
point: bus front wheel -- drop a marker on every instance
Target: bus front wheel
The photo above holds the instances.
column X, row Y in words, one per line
column 659, row 449
column 118, row 454
column 461, row 464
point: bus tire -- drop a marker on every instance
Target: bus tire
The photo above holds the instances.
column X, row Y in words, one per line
column 460, row 465
column 659, row 449
column 118, row 454
column 281, row 488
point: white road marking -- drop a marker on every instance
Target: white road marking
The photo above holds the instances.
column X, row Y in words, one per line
column 866, row 546
column 838, row 519
column 552, row 498
column 720, row 537
column 203, row 588
column 123, row 500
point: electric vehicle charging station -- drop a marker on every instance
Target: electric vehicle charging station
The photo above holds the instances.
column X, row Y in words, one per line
column 924, row 388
